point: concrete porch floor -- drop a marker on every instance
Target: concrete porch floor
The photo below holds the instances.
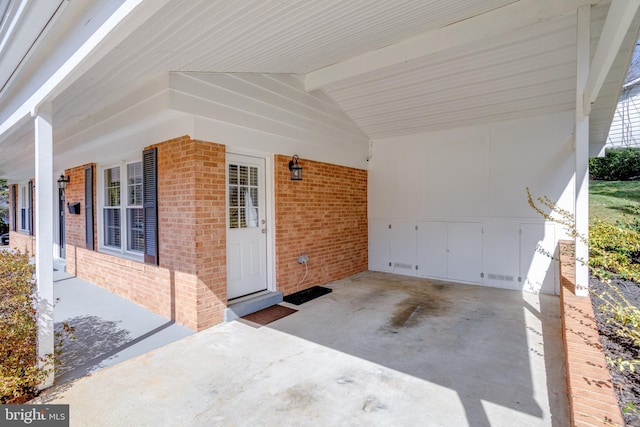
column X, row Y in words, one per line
column 108, row 328
column 380, row 350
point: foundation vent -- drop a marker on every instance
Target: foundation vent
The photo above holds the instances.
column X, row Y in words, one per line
column 401, row 265
column 502, row 277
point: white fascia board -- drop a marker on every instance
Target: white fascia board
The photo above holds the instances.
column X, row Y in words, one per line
column 91, row 51
column 499, row 21
column 621, row 14
column 15, row 15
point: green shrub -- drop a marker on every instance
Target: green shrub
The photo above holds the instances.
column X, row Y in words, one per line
column 618, row 164
column 20, row 372
column 614, row 248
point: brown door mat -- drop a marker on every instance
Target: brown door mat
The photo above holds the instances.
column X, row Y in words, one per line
column 268, row 315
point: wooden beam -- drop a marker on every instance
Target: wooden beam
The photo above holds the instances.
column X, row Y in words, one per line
column 497, row 22
column 616, row 26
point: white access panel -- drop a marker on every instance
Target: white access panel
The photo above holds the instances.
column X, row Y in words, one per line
column 501, row 254
column 379, row 244
column 465, row 251
column 403, row 247
column 537, row 267
column 432, row 249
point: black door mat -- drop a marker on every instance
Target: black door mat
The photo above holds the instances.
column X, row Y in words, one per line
column 269, row 314
column 307, row 295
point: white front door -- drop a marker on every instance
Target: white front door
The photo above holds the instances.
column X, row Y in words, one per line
column 246, row 226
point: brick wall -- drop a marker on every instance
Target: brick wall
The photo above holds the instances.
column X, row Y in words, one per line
column 592, row 400
column 323, row 216
column 191, row 213
column 22, row 242
column 74, row 193
column 189, row 285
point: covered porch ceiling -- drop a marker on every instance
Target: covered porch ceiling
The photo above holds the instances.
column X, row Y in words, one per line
column 394, row 68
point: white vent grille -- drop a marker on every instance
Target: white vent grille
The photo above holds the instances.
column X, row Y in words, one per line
column 502, row 277
column 401, row 265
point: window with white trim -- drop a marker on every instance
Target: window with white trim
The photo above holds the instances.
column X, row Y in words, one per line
column 122, row 211
column 24, row 222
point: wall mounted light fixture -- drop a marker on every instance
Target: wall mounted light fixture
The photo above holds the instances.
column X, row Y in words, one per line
column 295, row 168
column 63, row 181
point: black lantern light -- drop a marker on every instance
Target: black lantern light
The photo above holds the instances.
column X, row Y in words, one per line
column 295, row 168
column 63, row 181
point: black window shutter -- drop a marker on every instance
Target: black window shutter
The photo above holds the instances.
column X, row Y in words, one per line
column 88, row 207
column 14, row 208
column 30, row 212
column 150, row 200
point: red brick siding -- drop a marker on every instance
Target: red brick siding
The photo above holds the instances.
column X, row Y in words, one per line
column 24, row 243
column 211, row 231
column 323, row 216
column 191, row 209
column 592, row 400
column 75, row 230
column 146, row 285
column 189, row 285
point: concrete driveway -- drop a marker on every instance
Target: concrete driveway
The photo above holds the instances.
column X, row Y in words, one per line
column 381, row 350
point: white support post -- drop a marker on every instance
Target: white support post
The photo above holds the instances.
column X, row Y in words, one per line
column 581, row 176
column 44, row 231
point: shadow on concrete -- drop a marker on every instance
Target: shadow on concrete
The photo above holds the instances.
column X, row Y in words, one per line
column 484, row 343
column 108, row 329
column 94, row 342
column 554, row 359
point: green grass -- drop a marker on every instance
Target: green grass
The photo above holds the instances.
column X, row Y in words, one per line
column 612, row 200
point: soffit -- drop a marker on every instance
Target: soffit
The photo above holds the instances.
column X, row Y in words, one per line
column 275, row 36
column 524, row 72
column 527, row 72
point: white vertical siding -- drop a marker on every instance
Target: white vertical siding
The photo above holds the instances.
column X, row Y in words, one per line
column 465, row 189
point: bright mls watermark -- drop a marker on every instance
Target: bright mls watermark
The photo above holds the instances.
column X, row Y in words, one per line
column 34, row 415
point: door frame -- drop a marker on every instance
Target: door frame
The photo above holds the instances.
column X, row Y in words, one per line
column 269, row 196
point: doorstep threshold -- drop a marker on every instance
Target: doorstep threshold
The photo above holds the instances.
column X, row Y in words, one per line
column 250, row 304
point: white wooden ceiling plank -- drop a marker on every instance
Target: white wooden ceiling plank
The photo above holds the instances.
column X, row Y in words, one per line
column 226, row 95
column 488, row 99
column 470, row 117
column 278, row 84
column 498, row 22
column 560, row 35
column 438, row 99
column 456, row 75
